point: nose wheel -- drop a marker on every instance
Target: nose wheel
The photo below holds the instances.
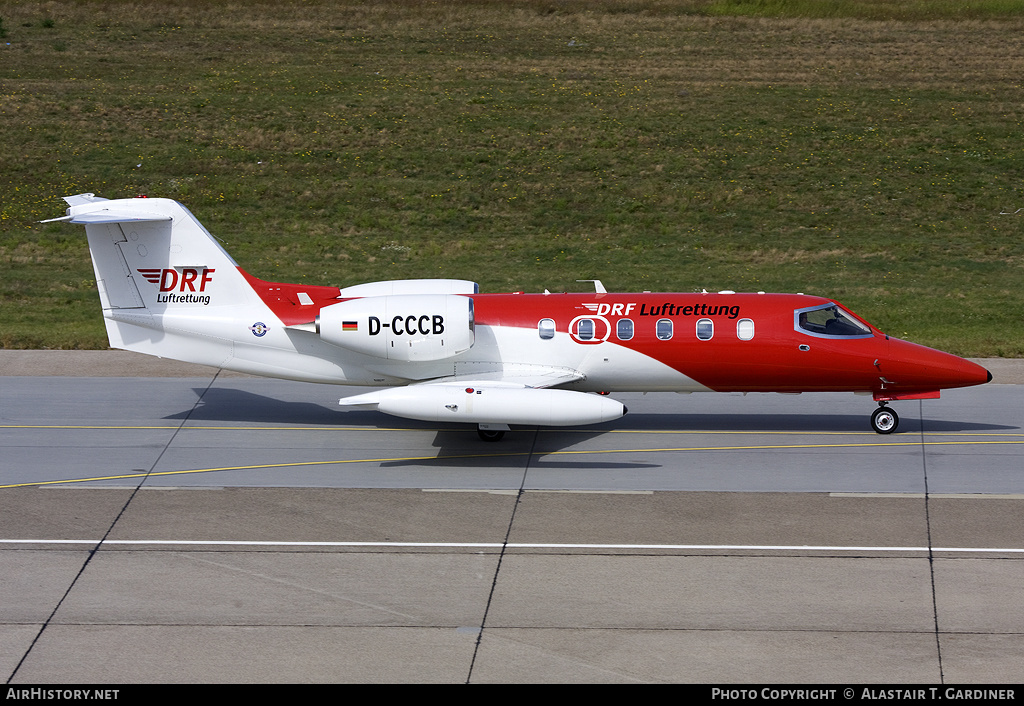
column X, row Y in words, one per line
column 884, row 420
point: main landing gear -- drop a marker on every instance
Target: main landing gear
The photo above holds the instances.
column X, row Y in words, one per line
column 491, row 432
column 884, row 420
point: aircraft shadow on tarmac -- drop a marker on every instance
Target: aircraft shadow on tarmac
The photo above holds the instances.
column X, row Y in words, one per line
column 462, row 448
column 230, row 405
column 810, row 423
column 460, row 445
column 238, row 406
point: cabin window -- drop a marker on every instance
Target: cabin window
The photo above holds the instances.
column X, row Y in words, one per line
column 585, row 329
column 705, row 329
column 745, row 329
column 624, row 329
column 546, row 328
column 664, row 329
column 829, row 321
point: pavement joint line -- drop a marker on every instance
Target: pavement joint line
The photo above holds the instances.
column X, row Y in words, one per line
column 512, row 454
column 513, row 545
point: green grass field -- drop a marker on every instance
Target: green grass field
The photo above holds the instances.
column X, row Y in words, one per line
column 868, row 151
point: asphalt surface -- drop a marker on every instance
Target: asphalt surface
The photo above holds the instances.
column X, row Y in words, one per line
column 212, row 528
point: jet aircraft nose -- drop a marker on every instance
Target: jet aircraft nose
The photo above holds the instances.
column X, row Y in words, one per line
column 914, row 368
column 974, row 373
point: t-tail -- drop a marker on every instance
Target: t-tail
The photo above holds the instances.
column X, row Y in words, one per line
column 169, row 289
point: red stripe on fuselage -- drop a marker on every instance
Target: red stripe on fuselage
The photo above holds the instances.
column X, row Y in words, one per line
column 778, row 358
column 283, row 299
column 771, row 360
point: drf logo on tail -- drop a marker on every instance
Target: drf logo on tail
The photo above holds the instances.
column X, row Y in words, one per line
column 168, row 279
column 190, row 282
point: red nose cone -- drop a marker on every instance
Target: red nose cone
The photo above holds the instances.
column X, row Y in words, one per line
column 910, row 368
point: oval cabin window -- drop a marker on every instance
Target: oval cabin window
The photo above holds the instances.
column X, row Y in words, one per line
column 745, row 329
column 624, row 329
column 705, row 329
column 585, row 329
column 546, row 328
column 664, row 329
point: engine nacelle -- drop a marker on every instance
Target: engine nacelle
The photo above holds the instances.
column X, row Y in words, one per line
column 401, row 327
column 410, row 286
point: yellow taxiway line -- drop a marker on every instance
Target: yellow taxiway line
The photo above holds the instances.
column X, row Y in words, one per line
column 677, row 449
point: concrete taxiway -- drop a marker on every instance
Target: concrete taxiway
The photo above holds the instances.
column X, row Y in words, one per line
column 212, row 528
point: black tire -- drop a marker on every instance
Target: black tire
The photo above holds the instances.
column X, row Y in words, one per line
column 490, row 434
column 885, row 420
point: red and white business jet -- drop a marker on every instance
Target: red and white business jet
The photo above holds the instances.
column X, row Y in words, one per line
column 447, row 353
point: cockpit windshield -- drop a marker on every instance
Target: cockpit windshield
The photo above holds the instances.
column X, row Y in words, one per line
column 829, row 320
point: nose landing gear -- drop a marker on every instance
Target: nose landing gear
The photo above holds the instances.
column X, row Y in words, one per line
column 884, row 420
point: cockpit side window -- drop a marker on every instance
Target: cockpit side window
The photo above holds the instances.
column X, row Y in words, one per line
column 829, row 321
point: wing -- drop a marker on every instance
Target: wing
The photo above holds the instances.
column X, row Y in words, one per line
column 514, row 374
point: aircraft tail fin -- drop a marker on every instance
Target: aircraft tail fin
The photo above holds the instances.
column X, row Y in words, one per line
column 151, row 253
column 159, row 273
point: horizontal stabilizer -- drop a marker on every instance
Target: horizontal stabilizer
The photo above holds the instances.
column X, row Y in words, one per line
column 79, row 199
column 98, row 217
column 80, row 212
column 105, row 216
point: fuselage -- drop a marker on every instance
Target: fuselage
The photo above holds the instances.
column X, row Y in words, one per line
column 683, row 342
column 722, row 342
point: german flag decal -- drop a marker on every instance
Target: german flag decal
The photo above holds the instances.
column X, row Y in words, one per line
column 349, row 325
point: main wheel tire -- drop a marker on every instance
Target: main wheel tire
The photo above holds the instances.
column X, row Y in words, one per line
column 884, row 420
column 490, row 434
